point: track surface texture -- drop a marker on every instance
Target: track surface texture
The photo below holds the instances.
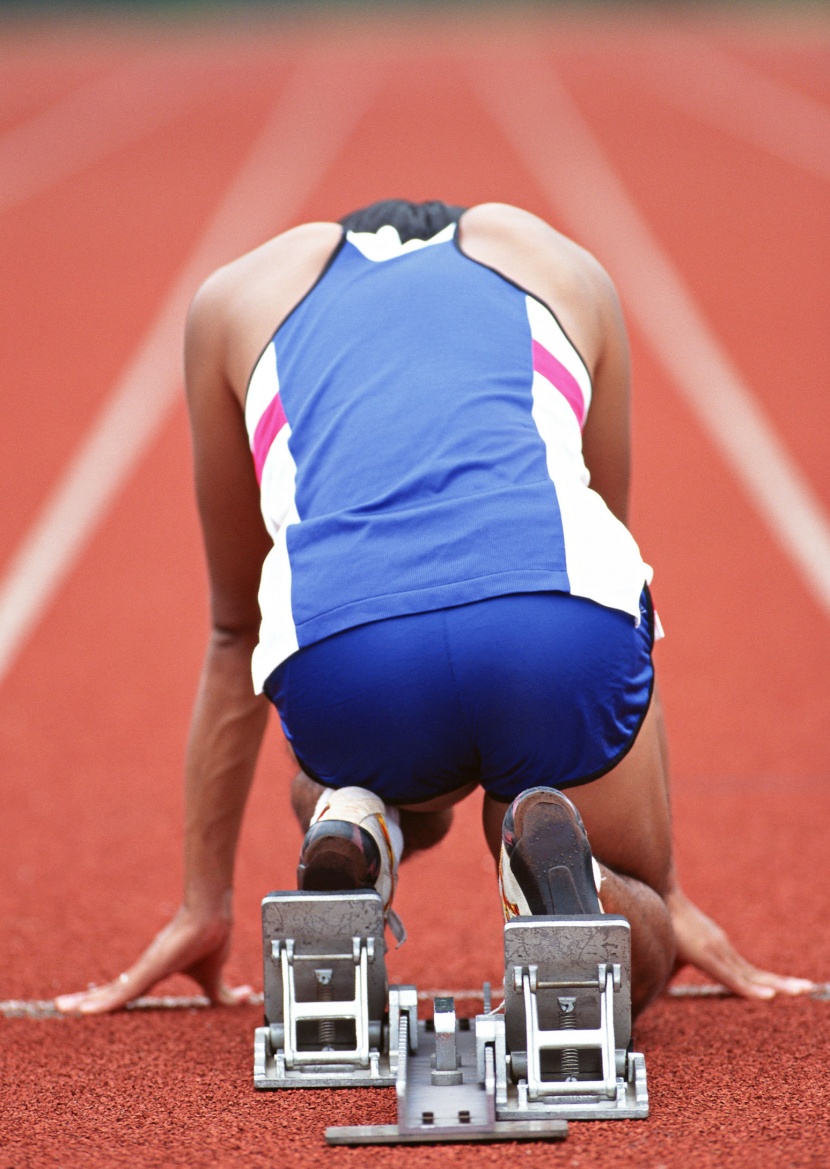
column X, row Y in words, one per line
column 128, row 167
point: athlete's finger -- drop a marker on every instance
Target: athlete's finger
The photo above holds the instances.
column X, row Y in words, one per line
column 129, row 985
column 99, row 1000
column 116, row 994
column 744, row 979
column 236, row 996
column 764, row 983
column 781, row 984
column 69, row 1002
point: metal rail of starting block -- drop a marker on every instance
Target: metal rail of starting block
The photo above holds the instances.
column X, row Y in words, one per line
column 560, row 1050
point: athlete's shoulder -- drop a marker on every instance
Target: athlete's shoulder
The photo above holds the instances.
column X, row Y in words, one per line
column 505, row 219
column 512, row 228
column 240, row 305
column 550, row 265
column 278, row 260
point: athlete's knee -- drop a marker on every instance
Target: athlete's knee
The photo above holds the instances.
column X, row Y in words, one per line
column 423, row 830
column 654, row 963
column 653, row 944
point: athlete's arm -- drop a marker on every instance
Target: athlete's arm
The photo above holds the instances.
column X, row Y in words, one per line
column 700, row 941
column 606, row 438
column 228, row 718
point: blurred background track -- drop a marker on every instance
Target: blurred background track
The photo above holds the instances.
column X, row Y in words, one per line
column 136, row 155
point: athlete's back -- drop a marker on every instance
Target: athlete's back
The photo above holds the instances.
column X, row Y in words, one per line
column 415, row 425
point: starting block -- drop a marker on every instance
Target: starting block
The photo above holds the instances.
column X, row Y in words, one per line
column 567, row 1020
column 327, row 1002
column 559, row 1051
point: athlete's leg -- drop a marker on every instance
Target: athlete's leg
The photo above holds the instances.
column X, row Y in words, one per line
column 626, row 817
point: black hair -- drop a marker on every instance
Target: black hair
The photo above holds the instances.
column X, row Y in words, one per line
column 412, row 220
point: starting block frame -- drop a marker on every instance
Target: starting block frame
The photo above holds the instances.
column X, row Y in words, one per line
column 327, row 1002
column 567, row 1001
column 560, row 1051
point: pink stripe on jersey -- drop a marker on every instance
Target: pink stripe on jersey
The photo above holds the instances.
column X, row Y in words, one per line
column 270, row 424
column 547, row 365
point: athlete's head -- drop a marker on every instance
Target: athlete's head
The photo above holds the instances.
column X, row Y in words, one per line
column 412, row 220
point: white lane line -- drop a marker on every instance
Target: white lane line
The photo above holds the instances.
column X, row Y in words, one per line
column 708, row 83
column 95, row 119
column 308, row 128
column 525, row 97
column 45, row 1008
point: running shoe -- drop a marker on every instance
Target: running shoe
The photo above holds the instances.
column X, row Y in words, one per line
column 353, row 842
column 545, row 865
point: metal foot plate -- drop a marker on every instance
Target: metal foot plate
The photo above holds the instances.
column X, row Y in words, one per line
column 568, row 1020
column 326, row 993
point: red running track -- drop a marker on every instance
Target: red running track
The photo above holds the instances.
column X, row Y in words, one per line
column 95, row 702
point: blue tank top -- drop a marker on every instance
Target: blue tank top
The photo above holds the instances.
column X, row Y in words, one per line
column 398, row 421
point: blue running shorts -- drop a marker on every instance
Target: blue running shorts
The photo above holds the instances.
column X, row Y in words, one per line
column 513, row 692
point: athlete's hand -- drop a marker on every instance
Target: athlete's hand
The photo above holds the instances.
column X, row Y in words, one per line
column 702, row 943
column 187, row 945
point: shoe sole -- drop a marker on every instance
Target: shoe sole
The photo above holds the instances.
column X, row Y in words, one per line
column 551, row 859
column 337, row 856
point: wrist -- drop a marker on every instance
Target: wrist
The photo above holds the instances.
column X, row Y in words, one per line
column 209, row 905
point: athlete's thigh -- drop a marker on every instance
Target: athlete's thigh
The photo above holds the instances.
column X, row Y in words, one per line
column 626, row 812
